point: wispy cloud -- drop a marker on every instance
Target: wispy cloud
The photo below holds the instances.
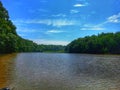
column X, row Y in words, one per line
column 92, row 27
column 59, row 15
column 62, row 22
column 50, row 42
column 40, row 10
column 52, row 22
column 74, row 11
column 54, row 31
column 27, row 30
column 79, row 5
column 100, row 26
column 114, row 18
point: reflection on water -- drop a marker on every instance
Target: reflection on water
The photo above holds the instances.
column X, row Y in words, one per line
column 40, row 71
column 6, row 69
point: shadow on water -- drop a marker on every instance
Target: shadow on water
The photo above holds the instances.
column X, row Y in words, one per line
column 6, row 69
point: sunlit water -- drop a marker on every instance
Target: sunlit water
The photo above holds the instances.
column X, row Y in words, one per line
column 42, row 71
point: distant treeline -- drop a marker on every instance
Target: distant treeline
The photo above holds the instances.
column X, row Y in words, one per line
column 50, row 48
column 10, row 41
column 108, row 43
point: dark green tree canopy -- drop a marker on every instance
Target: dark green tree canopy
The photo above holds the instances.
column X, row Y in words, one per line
column 6, row 26
column 3, row 12
column 9, row 40
column 102, row 43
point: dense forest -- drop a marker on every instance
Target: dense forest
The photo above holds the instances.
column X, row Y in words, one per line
column 10, row 41
column 108, row 43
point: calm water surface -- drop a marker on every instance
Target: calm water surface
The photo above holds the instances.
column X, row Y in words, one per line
column 42, row 71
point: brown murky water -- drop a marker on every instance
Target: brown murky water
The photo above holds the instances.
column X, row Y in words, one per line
column 42, row 71
column 6, row 69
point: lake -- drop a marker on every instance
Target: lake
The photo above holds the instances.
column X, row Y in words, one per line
column 60, row 71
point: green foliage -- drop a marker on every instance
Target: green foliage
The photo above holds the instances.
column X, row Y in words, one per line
column 102, row 43
column 50, row 48
column 7, row 32
column 11, row 42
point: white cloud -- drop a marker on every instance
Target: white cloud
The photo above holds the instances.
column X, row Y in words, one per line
column 59, row 15
column 92, row 27
column 62, row 22
column 74, row 11
column 50, row 42
column 114, row 18
column 79, row 5
column 25, row 30
column 100, row 26
column 53, row 22
column 37, row 11
column 54, row 31
column 33, row 21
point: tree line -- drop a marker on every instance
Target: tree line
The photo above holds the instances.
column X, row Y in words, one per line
column 10, row 41
column 104, row 43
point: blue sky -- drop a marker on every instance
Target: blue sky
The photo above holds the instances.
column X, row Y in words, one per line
column 61, row 21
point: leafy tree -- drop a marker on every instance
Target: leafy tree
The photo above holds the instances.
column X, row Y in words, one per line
column 102, row 43
column 11, row 42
